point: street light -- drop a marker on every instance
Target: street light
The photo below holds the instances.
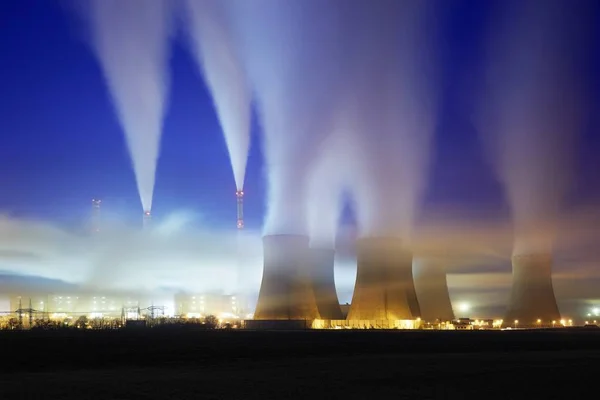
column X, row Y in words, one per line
column 516, row 323
column 539, row 322
column 553, row 322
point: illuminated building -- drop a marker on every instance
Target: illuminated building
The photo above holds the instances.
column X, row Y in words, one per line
column 199, row 305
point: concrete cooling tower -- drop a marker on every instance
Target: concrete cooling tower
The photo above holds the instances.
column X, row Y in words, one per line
column 432, row 291
column 384, row 287
column 532, row 296
column 286, row 291
column 321, row 262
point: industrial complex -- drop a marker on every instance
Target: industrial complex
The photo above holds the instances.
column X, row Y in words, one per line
column 298, row 291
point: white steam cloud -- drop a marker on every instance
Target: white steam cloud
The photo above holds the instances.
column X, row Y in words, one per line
column 215, row 52
column 293, row 54
column 391, row 100
column 130, row 39
column 533, row 112
column 329, row 177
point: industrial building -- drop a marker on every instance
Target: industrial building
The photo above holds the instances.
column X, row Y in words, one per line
column 197, row 305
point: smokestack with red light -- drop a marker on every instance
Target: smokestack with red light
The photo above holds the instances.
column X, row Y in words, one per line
column 240, row 208
column 147, row 219
column 96, row 215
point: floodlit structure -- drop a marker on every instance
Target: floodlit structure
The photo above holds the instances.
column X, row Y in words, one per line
column 286, row 291
column 321, row 264
column 147, row 221
column 432, row 291
column 240, row 208
column 384, row 289
column 197, row 305
column 532, row 296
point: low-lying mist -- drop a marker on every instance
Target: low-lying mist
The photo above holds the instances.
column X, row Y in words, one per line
column 178, row 255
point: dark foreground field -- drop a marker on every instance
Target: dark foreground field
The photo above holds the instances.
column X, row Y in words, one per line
column 188, row 364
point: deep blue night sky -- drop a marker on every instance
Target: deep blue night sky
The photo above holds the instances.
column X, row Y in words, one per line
column 61, row 143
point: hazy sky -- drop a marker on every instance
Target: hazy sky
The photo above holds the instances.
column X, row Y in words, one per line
column 61, row 144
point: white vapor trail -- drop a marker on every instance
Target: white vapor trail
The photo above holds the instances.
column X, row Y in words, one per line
column 391, row 96
column 216, row 55
column 292, row 53
column 130, row 39
column 532, row 111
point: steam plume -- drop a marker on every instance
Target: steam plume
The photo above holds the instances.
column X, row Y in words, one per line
column 292, row 52
column 533, row 112
column 391, row 85
column 130, row 39
column 216, row 55
column 329, row 177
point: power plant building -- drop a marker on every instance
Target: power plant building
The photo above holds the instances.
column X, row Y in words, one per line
column 199, row 305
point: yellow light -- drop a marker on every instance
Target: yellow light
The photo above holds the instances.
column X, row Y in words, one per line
column 539, row 321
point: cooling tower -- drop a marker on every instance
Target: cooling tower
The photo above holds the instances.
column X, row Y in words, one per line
column 384, row 289
column 286, row 291
column 406, row 269
column 532, row 296
column 321, row 262
column 432, row 291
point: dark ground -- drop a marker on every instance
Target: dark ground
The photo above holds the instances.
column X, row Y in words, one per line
column 189, row 364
